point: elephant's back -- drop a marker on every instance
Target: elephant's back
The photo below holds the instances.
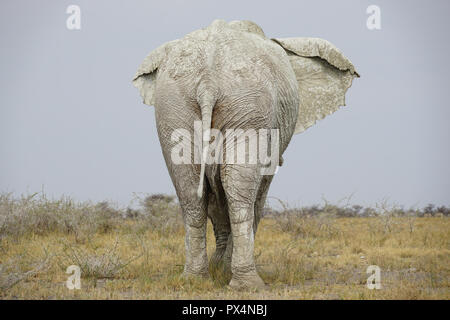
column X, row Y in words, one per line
column 234, row 58
column 242, row 59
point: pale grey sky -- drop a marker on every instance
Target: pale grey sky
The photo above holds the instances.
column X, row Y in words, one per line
column 71, row 121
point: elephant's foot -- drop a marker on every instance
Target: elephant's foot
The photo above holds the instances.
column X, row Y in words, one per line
column 247, row 281
column 190, row 272
column 196, row 268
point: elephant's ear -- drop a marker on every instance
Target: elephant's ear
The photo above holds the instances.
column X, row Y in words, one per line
column 145, row 76
column 323, row 74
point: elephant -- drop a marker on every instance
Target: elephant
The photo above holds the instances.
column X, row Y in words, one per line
column 226, row 76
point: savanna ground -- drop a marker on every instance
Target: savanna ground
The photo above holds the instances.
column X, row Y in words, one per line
column 319, row 252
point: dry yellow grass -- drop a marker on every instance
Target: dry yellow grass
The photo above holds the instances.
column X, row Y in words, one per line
column 322, row 258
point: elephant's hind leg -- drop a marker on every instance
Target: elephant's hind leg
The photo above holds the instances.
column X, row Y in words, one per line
column 195, row 218
column 185, row 178
column 241, row 184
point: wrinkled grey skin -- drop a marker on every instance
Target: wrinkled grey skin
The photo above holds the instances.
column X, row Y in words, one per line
column 228, row 75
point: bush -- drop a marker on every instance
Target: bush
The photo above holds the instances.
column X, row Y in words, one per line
column 38, row 215
column 97, row 265
column 158, row 212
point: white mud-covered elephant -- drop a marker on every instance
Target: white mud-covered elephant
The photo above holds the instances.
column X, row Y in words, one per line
column 235, row 86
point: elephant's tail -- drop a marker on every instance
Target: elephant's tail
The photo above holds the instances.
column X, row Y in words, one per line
column 206, row 98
